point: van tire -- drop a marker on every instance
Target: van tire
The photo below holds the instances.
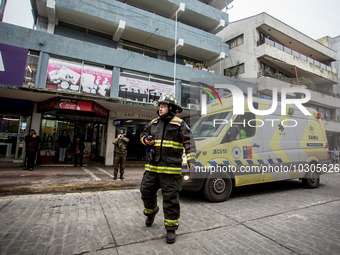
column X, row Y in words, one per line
column 217, row 187
column 311, row 180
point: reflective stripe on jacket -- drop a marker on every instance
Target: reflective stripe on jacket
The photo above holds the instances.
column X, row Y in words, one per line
column 169, row 147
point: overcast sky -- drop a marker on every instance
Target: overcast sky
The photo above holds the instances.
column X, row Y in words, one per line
column 314, row 18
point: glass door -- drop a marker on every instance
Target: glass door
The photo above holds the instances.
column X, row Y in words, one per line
column 23, row 130
column 9, row 127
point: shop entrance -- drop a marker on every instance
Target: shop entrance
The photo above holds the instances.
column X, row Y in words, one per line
column 132, row 130
column 13, row 130
column 91, row 129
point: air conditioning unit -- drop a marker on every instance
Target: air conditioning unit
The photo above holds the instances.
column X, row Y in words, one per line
column 193, row 107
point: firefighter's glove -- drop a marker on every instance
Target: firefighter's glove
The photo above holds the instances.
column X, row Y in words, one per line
column 190, row 166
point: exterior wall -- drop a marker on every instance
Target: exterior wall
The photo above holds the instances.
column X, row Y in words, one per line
column 68, row 47
column 243, row 53
column 110, row 14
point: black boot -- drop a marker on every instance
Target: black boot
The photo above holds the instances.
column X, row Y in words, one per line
column 115, row 176
column 170, row 236
column 121, row 177
column 150, row 219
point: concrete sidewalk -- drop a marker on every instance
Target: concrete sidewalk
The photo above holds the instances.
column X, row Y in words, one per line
column 67, row 178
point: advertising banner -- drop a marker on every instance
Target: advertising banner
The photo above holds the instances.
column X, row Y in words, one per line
column 12, row 65
column 133, row 85
column 63, row 75
column 96, row 81
column 74, row 104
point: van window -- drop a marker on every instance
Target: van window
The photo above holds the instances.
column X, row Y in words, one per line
column 241, row 121
column 205, row 126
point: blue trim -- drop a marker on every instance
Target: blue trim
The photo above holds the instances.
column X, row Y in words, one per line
column 198, row 164
column 260, row 161
column 213, row 163
column 227, row 163
column 250, row 162
column 279, row 160
column 270, row 161
column 239, row 162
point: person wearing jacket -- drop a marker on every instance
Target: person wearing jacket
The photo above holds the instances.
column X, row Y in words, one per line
column 32, row 143
column 77, row 150
column 121, row 150
column 63, row 141
column 170, row 136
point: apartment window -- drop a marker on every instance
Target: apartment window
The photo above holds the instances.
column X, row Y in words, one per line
column 31, row 68
column 235, row 41
column 267, row 67
column 84, row 30
column 142, row 49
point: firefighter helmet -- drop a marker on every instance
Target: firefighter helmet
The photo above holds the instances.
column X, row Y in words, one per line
column 170, row 100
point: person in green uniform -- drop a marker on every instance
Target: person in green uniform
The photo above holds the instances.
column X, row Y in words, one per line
column 121, row 150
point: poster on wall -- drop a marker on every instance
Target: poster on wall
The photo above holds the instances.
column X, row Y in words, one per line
column 157, row 88
column 96, row 81
column 87, row 150
column 127, row 84
column 63, row 75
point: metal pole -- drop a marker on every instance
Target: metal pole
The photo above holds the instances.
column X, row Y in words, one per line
column 175, row 55
column 2, row 8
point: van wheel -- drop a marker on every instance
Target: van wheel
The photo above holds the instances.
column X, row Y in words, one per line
column 311, row 180
column 217, row 187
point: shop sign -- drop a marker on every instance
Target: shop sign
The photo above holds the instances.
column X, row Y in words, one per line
column 100, row 110
column 74, row 104
column 12, row 65
column 48, row 105
column 133, row 115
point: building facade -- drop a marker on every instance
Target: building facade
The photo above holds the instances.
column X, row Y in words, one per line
column 95, row 67
column 271, row 54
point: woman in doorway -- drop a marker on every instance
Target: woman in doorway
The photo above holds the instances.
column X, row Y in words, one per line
column 63, row 141
column 32, row 143
column 77, row 150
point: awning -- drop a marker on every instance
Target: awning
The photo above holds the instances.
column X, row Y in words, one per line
column 69, row 106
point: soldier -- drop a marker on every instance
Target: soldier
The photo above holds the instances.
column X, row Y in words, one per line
column 121, row 150
column 170, row 135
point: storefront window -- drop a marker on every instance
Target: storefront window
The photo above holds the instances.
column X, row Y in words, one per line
column 143, row 87
column 78, row 77
column 31, row 69
column 13, row 130
column 52, row 127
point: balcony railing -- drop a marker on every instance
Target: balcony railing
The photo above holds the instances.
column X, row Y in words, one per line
column 293, row 81
column 296, row 54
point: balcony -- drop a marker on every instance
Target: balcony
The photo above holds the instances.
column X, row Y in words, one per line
column 331, row 125
column 306, row 60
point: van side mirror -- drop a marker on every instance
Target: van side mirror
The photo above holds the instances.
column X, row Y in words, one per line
column 231, row 134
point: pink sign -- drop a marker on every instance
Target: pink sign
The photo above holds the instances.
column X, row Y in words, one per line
column 62, row 75
column 96, row 81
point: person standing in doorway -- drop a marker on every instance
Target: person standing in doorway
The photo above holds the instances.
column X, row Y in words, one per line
column 171, row 135
column 63, row 141
column 121, row 150
column 32, row 143
column 77, row 150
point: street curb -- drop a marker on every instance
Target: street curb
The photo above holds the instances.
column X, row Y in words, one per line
column 19, row 190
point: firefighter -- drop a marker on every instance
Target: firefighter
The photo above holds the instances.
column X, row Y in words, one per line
column 170, row 135
column 121, row 150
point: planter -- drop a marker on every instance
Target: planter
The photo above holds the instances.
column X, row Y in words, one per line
column 205, row 69
column 212, row 71
column 198, row 67
column 188, row 65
